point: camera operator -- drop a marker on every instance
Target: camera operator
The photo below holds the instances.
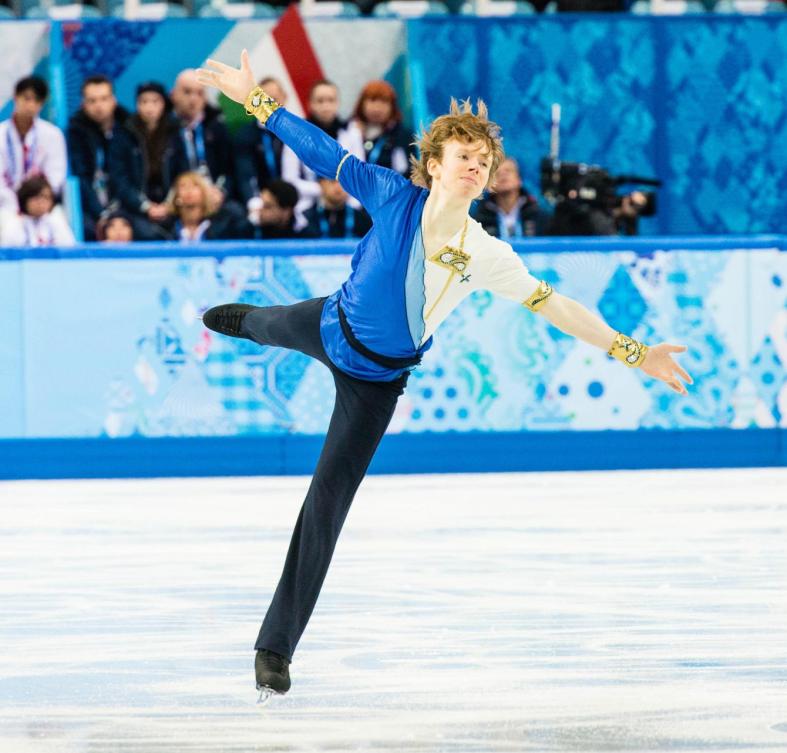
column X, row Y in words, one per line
column 587, row 202
column 632, row 206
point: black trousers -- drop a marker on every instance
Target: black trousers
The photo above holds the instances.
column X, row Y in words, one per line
column 361, row 414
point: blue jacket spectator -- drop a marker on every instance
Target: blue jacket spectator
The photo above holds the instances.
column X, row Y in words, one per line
column 204, row 137
column 509, row 211
column 144, row 160
column 90, row 132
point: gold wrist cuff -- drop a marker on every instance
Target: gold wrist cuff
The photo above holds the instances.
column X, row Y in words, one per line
column 260, row 105
column 629, row 351
column 540, row 297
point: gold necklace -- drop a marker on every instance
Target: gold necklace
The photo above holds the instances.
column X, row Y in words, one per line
column 455, row 260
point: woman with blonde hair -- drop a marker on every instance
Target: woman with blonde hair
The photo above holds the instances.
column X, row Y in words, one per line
column 194, row 215
column 422, row 257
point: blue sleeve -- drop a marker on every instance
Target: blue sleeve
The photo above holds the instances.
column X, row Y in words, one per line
column 372, row 185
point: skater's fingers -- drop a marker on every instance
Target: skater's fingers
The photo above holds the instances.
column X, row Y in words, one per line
column 219, row 66
column 208, row 78
column 678, row 387
column 245, row 65
column 683, row 374
column 674, row 348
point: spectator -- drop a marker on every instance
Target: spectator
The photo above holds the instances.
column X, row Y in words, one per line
column 38, row 222
column 258, row 153
column 333, row 217
column 508, row 211
column 205, row 139
column 378, row 120
column 115, row 227
column 28, row 145
column 276, row 215
column 90, row 132
column 324, row 113
column 143, row 161
column 195, row 215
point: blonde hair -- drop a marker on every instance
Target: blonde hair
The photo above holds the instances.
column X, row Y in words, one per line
column 462, row 125
column 204, row 186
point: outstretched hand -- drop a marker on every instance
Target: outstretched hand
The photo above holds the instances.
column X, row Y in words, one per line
column 658, row 363
column 235, row 83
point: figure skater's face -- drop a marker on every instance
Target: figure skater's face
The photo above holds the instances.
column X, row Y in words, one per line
column 464, row 169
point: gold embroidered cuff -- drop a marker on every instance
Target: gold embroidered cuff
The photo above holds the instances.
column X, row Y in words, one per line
column 540, row 297
column 341, row 164
column 260, row 105
column 629, row 351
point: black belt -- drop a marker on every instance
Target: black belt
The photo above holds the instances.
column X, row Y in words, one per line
column 389, row 362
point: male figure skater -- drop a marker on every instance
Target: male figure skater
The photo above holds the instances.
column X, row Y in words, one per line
column 423, row 255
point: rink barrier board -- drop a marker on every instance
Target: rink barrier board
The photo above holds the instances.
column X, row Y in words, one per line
column 480, row 452
column 704, row 439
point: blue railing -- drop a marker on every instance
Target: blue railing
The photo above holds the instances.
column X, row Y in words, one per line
column 223, row 249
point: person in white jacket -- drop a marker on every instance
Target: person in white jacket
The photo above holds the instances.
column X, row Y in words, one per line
column 28, row 145
column 39, row 222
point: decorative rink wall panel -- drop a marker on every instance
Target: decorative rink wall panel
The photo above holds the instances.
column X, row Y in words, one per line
column 697, row 101
column 113, row 348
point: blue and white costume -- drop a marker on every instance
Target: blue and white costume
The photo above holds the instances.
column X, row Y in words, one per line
column 395, row 298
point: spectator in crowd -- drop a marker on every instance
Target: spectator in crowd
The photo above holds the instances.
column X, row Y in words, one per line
column 143, row 161
column 204, row 138
column 324, row 113
column 333, row 217
column 378, row 120
column 38, row 222
column 258, row 153
column 509, row 211
column 276, row 215
column 90, row 132
column 28, row 145
column 115, row 226
column 196, row 216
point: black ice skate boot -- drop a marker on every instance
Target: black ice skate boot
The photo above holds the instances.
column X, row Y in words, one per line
column 227, row 319
column 273, row 674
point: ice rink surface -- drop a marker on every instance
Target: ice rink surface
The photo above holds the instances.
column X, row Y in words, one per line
column 630, row 611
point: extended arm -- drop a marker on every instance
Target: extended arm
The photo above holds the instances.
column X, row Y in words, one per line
column 574, row 319
column 511, row 279
column 370, row 184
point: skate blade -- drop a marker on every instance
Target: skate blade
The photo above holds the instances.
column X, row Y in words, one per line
column 266, row 693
